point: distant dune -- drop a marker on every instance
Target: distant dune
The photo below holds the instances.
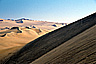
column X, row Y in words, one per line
column 14, row 34
column 71, row 44
column 30, row 23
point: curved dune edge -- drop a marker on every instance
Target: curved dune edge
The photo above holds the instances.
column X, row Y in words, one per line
column 81, row 47
column 46, row 43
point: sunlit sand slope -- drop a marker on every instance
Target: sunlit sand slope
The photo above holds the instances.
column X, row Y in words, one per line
column 13, row 39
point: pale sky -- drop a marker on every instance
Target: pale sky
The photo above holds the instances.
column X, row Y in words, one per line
column 47, row 10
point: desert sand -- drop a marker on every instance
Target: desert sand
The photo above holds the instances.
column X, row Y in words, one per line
column 14, row 36
column 74, row 43
column 81, row 47
column 13, row 40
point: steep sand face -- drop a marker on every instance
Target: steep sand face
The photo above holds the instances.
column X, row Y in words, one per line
column 46, row 43
column 79, row 50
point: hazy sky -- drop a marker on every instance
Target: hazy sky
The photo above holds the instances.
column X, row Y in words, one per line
column 51, row 10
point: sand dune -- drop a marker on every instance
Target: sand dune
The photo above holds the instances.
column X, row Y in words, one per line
column 14, row 39
column 14, row 35
column 78, row 50
column 30, row 23
column 68, row 37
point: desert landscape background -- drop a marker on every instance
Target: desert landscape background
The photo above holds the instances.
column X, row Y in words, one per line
column 14, row 34
column 68, row 45
column 47, row 32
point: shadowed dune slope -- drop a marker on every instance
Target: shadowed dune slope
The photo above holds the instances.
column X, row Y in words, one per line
column 81, row 49
column 46, row 43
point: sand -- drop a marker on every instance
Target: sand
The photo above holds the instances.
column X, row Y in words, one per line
column 74, row 51
column 11, row 40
